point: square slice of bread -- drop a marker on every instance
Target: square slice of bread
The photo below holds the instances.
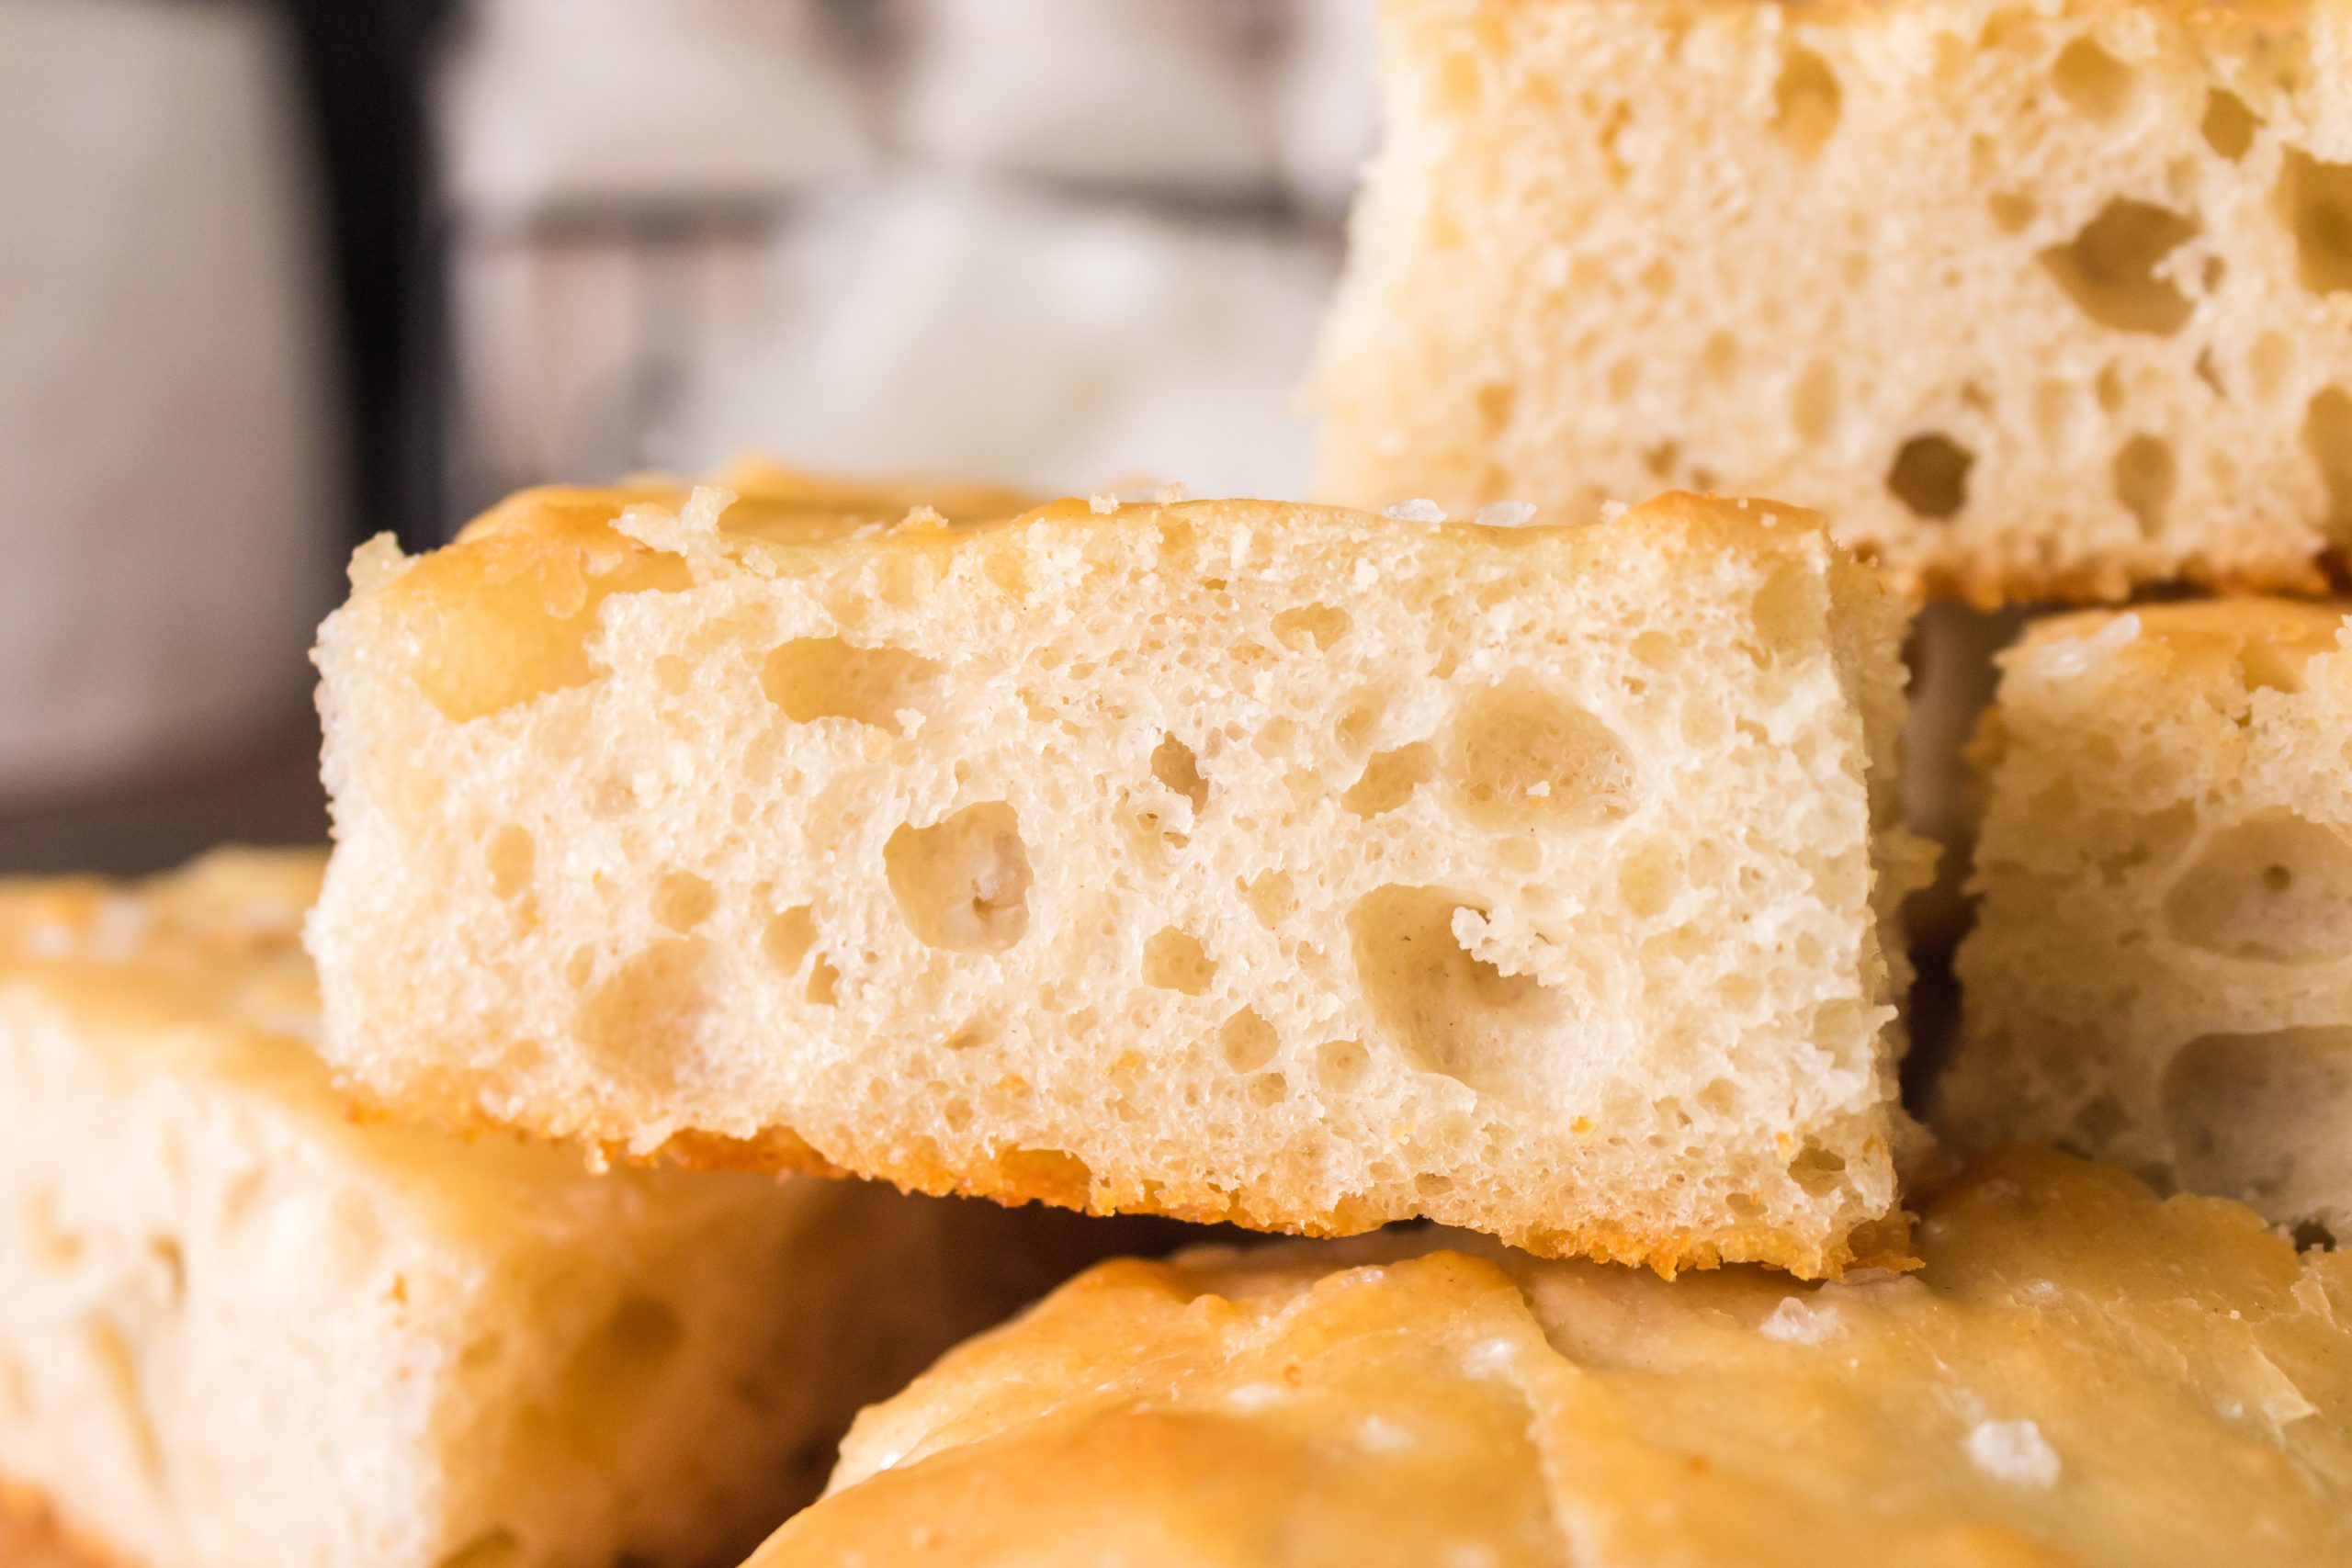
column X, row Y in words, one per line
column 239, row 1328
column 2161, row 973
column 2036, row 301
column 2080, row 1374
column 1229, row 860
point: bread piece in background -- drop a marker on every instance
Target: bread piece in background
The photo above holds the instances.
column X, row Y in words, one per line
column 239, row 1329
column 2080, row 1374
column 2034, row 301
column 2161, row 972
column 1228, row 859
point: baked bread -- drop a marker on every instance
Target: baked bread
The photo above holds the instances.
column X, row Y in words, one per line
column 2080, row 1376
column 238, row 1328
column 1228, row 859
column 2031, row 300
column 2161, row 973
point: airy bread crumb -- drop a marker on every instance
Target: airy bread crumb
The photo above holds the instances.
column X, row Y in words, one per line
column 2034, row 302
column 1225, row 860
column 2161, row 973
column 237, row 1328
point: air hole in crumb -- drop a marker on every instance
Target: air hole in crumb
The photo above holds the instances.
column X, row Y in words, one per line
column 2316, row 198
column 2108, row 388
column 1173, row 765
column 1248, row 1042
column 491, row 1549
column 1271, row 897
column 824, row 984
column 1341, row 1064
column 1319, row 625
column 1443, row 1009
column 2012, row 211
column 647, row 1016
column 683, row 900
column 1174, row 961
column 2274, row 889
column 1497, row 404
column 2094, row 81
column 1805, row 101
column 2144, row 477
column 962, row 883
column 2328, row 436
column 513, row 854
column 2229, row 125
column 817, row 678
column 1268, row 1090
column 1390, row 778
column 1650, row 879
column 1930, row 475
column 1818, row 1171
column 2261, row 1117
column 790, row 934
column 2110, row 269
column 1519, row 753
column 1814, row 402
column 1660, row 459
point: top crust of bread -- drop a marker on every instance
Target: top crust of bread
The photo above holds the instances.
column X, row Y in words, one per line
column 2037, row 301
column 2079, row 1374
column 640, row 821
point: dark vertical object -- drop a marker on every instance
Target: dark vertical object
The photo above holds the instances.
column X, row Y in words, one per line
column 365, row 64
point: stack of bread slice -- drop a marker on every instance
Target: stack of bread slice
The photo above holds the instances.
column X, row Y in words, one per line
column 711, row 860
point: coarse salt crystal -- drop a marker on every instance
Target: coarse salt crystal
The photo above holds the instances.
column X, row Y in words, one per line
column 2014, row 1451
column 1101, row 506
column 1612, row 510
column 1506, row 514
column 1414, row 512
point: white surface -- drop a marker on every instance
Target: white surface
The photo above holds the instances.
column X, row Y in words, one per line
column 933, row 327
column 549, row 101
column 163, row 403
column 1169, row 94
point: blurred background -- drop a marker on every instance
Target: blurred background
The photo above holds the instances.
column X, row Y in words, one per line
column 275, row 275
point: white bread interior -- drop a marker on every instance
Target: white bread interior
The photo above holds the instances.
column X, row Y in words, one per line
column 2031, row 300
column 239, row 1328
column 1231, row 860
column 2161, row 972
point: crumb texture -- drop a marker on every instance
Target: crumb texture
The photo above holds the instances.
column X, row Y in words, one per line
column 238, row 1328
column 2161, row 973
column 2079, row 1374
column 1223, row 859
column 2037, row 300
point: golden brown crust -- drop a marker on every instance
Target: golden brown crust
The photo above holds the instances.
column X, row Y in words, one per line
column 34, row 1534
column 2079, row 1375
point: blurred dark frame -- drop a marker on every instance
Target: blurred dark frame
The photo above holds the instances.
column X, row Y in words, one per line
column 366, row 64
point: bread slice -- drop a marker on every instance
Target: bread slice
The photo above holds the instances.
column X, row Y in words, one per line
column 1228, row 859
column 2080, row 1375
column 237, row 1328
column 2161, row 973
column 2032, row 300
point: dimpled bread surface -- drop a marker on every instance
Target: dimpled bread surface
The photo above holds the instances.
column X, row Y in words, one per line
column 2033, row 300
column 2081, row 1376
column 1227, row 860
column 2161, row 973
column 238, row 1328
